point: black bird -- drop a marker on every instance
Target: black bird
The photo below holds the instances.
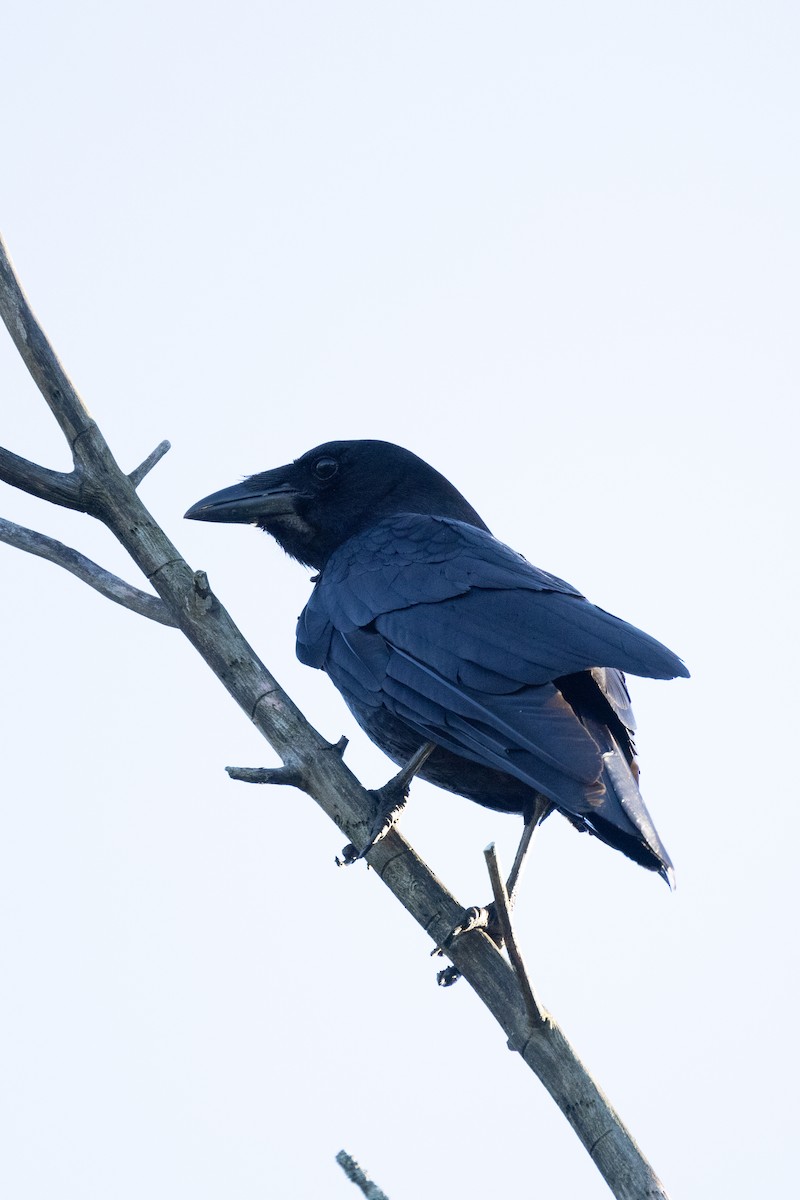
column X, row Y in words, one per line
column 438, row 635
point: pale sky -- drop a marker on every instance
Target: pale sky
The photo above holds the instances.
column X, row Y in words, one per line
column 555, row 251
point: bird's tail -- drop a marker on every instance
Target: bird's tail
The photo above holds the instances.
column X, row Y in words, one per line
column 619, row 816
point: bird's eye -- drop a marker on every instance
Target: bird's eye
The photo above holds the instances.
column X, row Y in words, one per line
column 325, row 468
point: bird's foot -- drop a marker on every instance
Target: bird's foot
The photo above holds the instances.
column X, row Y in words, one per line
column 480, row 918
column 495, row 920
column 391, row 800
column 392, row 804
column 484, row 918
column 385, row 820
column 349, row 856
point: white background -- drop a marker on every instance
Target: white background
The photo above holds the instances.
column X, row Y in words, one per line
column 554, row 250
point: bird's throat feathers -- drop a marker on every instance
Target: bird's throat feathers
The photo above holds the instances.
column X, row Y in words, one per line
column 294, row 535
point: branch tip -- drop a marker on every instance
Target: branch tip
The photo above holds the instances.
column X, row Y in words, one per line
column 136, row 476
column 285, row 776
column 202, row 595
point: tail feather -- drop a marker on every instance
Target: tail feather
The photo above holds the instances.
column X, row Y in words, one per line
column 621, row 818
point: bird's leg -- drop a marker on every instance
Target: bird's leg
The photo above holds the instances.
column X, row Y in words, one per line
column 486, row 918
column 391, row 800
column 541, row 807
column 393, row 795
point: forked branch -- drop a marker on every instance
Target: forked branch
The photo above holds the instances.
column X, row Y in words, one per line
column 108, row 494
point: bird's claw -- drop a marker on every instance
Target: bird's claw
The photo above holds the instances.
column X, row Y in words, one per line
column 383, row 823
column 349, row 856
column 473, row 918
column 390, row 800
column 479, row 918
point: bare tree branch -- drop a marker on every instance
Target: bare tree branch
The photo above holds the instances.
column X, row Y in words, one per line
column 102, row 581
column 359, row 1177
column 59, row 487
column 287, row 776
column 146, row 467
column 503, row 908
column 111, row 496
column 38, row 355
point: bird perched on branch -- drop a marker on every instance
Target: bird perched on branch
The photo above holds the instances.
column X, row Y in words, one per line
column 497, row 680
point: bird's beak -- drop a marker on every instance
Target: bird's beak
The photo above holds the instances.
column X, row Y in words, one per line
column 245, row 503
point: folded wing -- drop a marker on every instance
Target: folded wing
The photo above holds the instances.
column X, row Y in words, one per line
column 472, row 648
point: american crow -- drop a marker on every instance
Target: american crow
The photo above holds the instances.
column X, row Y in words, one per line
column 435, row 633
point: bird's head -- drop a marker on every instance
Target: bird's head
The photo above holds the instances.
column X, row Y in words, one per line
column 331, row 493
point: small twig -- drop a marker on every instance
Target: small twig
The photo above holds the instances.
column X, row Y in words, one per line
column 288, row 776
column 136, row 476
column 532, row 1006
column 359, row 1177
column 108, row 585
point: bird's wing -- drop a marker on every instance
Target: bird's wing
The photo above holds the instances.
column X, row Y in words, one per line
column 409, row 559
column 522, row 636
column 461, row 639
column 492, row 611
column 530, row 732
